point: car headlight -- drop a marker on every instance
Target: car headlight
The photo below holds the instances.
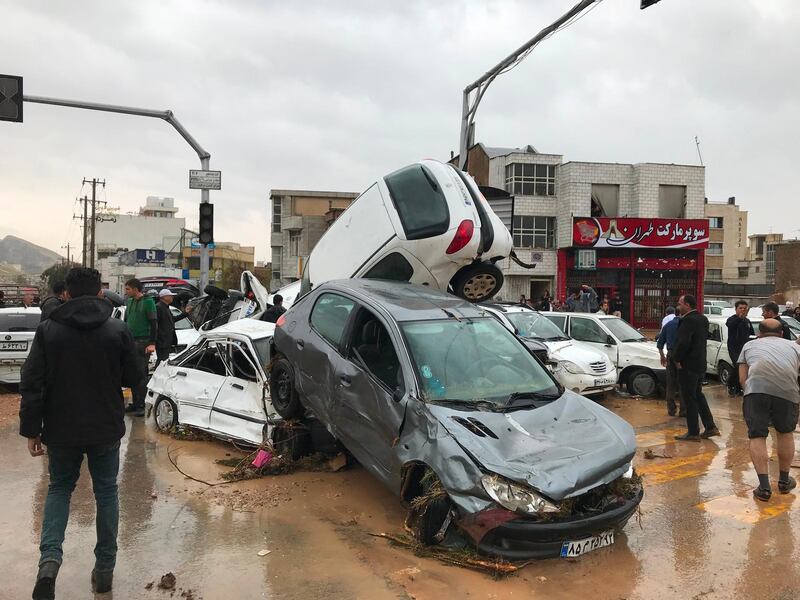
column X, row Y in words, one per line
column 570, row 367
column 515, row 497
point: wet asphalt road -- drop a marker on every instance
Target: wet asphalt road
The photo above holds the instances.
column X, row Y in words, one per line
column 701, row 535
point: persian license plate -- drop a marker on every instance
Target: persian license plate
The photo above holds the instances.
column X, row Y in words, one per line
column 602, row 381
column 14, row 346
column 579, row 547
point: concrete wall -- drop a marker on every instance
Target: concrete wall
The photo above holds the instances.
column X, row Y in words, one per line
column 787, row 266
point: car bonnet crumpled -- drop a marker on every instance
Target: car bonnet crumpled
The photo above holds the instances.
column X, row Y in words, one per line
column 562, row 449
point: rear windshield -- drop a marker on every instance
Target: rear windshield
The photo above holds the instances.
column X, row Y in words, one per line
column 27, row 321
column 419, row 201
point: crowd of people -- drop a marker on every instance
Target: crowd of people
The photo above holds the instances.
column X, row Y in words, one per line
column 584, row 299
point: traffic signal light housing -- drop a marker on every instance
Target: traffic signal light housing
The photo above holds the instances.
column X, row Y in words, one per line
column 11, row 98
column 206, row 233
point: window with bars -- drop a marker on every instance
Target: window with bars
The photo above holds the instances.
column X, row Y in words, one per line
column 276, row 263
column 294, row 243
column 715, row 248
column 531, row 180
column 276, row 215
column 534, row 232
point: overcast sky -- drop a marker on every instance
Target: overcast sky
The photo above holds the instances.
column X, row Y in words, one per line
column 331, row 95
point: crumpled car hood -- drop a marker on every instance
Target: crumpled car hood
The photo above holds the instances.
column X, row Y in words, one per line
column 562, row 449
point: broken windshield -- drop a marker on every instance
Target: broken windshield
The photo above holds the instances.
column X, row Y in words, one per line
column 622, row 331
column 474, row 360
column 534, row 325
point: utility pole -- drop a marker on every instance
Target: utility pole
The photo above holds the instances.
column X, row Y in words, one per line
column 94, row 183
column 69, row 256
column 85, row 218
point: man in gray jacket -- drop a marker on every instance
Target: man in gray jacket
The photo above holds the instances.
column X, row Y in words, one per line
column 587, row 300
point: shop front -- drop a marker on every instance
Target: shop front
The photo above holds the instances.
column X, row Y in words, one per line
column 644, row 264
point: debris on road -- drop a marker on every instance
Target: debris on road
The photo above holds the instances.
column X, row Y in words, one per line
column 650, row 455
column 167, row 582
column 264, row 552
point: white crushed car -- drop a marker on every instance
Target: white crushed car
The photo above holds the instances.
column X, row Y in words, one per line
column 17, row 328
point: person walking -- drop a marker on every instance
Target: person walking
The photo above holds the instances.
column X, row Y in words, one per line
column 772, row 311
column 739, row 331
column 272, row 314
column 52, row 302
column 166, row 337
column 72, row 403
column 668, row 337
column 141, row 317
column 689, row 355
column 768, row 369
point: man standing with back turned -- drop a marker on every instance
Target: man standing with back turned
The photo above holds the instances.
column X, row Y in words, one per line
column 72, row 403
column 141, row 317
column 690, row 359
column 768, row 368
column 739, row 331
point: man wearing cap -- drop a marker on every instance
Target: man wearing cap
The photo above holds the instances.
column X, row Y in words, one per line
column 166, row 337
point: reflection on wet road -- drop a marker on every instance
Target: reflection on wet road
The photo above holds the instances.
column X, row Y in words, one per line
column 700, row 535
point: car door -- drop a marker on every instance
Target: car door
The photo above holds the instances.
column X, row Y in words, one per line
column 591, row 332
column 713, row 347
column 256, row 296
column 199, row 379
column 238, row 410
column 398, row 265
column 367, row 415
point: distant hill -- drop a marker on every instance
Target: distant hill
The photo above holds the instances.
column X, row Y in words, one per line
column 33, row 259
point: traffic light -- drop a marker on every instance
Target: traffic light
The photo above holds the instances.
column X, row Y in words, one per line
column 206, row 233
column 11, row 98
column 646, row 3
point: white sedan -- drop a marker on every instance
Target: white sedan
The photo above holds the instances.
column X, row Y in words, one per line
column 219, row 384
column 17, row 328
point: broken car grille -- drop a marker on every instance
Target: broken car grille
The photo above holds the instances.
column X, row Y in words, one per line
column 598, row 367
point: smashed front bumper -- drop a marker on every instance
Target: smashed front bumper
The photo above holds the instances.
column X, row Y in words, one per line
column 513, row 538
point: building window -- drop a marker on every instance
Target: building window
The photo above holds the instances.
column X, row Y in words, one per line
column 714, row 274
column 744, row 272
column 531, row 180
column 534, row 232
column 715, row 248
column 671, row 201
column 605, row 200
column 759, row 246
column 770, row 260
column 276, row 215
column 758, row 269
column 716, row 222
column 276, row 263
column 294, row 243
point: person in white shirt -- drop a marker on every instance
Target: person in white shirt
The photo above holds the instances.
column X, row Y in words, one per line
column 668, row 317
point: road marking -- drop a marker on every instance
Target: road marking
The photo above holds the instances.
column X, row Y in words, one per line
column 657, row 472
column 743, row 507
column 657, row 438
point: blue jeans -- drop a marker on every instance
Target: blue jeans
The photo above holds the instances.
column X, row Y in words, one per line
column 65, row 469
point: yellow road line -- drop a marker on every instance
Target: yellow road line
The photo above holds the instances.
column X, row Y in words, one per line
column 681, row 467
column 743, row 507
column 657, row 438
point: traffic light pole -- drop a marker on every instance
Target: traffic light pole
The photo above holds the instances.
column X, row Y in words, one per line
column 165, row 115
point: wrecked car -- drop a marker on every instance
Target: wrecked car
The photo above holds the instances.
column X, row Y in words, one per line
column 218, row 385
column 427, row 223
column 217, row 306
column 453, row 413
column 17, row 328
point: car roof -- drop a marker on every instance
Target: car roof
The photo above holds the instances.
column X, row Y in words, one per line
column 406, row 301
column 20, row 309
column 252, row 328
column 507, row 307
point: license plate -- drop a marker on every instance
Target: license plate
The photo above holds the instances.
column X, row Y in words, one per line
column 14, row 346
column 579, row 547
column 602, row 381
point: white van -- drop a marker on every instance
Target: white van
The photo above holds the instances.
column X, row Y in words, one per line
column 636, row 358
column 427, row 223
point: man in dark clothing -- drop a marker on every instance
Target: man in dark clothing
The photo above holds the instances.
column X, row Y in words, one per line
column 771, row 311
column 668, row 337
column 72, row 403
column 272, row 314
column 690, row 359
column 789, row 312
column 546, row 303
column 53, row 302
column 141, row 317
column 2, row 299
column 739, row 331
column 166, row 337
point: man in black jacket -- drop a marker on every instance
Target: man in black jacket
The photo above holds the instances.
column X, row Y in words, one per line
column 52, row 302
column 72, row 403
column 771, row 310
column 166, row 337
column 739, row 331
column 273, row 313
column 690, row 359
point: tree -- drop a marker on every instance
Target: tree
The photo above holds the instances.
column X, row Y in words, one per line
column 231, row 276
column 58, row 272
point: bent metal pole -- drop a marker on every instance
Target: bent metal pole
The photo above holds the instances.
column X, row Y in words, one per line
column 165, row 115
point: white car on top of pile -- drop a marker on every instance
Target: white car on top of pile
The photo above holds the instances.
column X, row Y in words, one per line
column 17, row 328
column 219, row 384
column 576, row 366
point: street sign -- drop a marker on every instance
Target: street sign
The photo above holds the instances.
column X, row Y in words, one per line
column 11, row 98
column 205, row 180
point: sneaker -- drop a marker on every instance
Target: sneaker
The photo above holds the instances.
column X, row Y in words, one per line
column 784, row 487
column 45, row 588
column 762, row 494
column 709, row 433
column 102, row 581
column 688, row 437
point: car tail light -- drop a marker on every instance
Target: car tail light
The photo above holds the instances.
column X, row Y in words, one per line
column 250, row 295
column 281, row 320
column 462, row 237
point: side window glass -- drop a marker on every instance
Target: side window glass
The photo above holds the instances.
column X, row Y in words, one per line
column 242, row 363
column 393, row 267
column 329, row 317
column 587, row 330
column 209, row 360
column 373, row 348
column 561, row 322
column 714, row 332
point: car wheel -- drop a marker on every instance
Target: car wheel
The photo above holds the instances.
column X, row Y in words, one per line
column 478, row 283
column 283, row 394
column 725, row 372
column 642, row 383
column 429, row 514
column 291, row 439
column 165, row 413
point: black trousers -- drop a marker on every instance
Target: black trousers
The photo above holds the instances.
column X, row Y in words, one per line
column 733, row 383
column 139, row 392
column 695, row 403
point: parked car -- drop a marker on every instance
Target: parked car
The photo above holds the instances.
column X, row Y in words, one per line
column 447, row 407
column 718, row 358
column 17, row 328
column 218, row 385
column 576, row 366
column 636, row 358
column 427, row 223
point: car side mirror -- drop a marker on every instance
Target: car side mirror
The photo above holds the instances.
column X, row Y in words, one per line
column 610, row 340
column 399, row 394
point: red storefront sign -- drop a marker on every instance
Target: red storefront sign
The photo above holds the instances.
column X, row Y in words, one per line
column 606, row 232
